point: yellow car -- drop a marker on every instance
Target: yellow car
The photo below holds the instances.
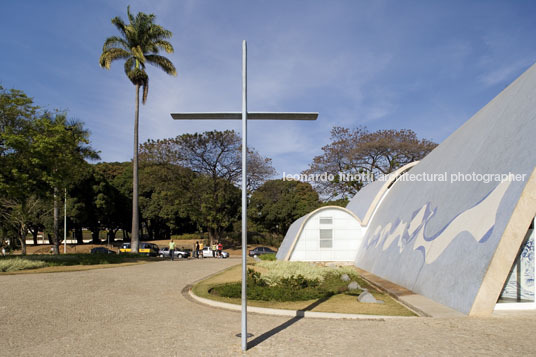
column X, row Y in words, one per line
column 150, row 249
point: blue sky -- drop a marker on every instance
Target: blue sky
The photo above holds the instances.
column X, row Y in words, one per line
column 421, row 65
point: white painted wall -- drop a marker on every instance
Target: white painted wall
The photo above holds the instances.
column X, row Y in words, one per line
column 347, row 237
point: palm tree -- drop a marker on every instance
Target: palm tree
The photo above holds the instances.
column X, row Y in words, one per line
column 139, row 43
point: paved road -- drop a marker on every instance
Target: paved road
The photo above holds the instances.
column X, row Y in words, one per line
column 140, row 311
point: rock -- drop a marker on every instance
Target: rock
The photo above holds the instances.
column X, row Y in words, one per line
column 366, row 297
column 256, row 258
column 354, row 286
column 345, row 277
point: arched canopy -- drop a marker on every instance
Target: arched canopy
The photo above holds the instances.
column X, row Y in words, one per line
column 293, row 234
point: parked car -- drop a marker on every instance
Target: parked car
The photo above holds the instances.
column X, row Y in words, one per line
column 260, row 251
column 209, row 253
column 150, row 249
column 179, row 253
column 102, row 250
column 124, row 248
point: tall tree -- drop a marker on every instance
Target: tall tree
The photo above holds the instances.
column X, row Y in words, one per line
column 140, row 42
column 165, row 191
column 216, row 157
column 217, row 154
column 59, row 149
column 40, row 155
column 357, row 152
column 18, row 180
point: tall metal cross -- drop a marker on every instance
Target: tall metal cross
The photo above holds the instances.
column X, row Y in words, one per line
column 244, row 115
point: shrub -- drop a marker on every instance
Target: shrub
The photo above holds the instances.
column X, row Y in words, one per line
column 294, row 288
column 83, row 259
column 14, row 264
column 291, row 281
column 277, row 270
column 269, row 293
column 254, row 279
column 298, row 282
column 269, row 257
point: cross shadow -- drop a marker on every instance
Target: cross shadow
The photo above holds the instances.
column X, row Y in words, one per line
column 299, row 315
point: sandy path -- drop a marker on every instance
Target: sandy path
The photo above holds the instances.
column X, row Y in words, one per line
column 140, row 311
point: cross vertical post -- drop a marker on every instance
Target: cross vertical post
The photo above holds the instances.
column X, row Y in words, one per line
column 244, row 195
column 244, row 116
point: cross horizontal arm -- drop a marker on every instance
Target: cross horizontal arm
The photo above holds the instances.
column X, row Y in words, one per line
column 251, row 116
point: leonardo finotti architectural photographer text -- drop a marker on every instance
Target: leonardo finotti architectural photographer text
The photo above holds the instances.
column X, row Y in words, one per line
column 417, row 177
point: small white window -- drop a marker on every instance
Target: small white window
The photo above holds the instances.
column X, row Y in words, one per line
column 326, row 220
column 326, row 238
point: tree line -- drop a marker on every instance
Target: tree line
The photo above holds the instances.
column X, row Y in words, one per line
column 188, row 184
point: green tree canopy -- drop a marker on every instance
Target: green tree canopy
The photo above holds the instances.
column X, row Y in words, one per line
column 40, row 153
column 215, row 156
column 278, row 203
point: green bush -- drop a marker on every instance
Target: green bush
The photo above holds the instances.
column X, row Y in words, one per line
column 276, row 270
column 294, row 288
column 77, row 259
column 269, row 293
column 298, row 282
column 269, row 257
column 14, row 264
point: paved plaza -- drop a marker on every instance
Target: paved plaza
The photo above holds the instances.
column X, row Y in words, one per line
column 140, row 311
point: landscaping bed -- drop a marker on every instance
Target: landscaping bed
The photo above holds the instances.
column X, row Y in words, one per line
column 67, row 262
column 299, row 286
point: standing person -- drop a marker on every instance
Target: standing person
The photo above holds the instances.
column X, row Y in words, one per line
column 172, row 249
column 197, row 250
column 201, row 246
column 214, row 249
column 220, row 250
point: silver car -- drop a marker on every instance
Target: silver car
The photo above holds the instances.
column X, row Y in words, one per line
column 209, row 253
column 179, row 253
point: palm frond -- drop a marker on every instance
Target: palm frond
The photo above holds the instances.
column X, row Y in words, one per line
column 157, row 32
column 120, row 24
column 138, row 76
column 163, row 63
column 165, row 45
column 130, row 17
column 115, row 41
column 138, row 53
column 112, row 54
column 129, row 65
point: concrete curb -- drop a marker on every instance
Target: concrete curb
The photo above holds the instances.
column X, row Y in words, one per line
column 292, row 313
column 419, row 304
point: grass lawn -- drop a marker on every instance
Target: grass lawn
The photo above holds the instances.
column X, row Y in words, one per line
column 340, row 303
column 67, row 262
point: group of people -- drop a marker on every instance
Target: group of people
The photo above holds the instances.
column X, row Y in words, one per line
column 216, row 248
column 197, row 252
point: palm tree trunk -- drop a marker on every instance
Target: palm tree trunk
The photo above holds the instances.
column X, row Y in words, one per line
column 135, row 219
